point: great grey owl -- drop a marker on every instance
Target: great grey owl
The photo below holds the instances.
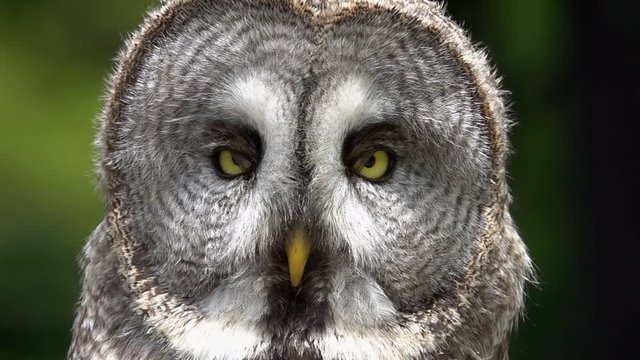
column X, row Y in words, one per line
column 301, row 179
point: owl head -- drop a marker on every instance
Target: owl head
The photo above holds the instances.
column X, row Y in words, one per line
column 291, row 178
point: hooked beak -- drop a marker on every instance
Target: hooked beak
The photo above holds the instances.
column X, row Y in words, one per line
column 298, row 249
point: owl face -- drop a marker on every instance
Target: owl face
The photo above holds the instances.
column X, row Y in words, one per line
column 244, row 126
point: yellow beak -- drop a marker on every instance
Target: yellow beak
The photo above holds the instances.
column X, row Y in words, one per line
column 298, row 250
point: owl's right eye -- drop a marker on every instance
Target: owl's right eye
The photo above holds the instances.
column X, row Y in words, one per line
column 230, row 163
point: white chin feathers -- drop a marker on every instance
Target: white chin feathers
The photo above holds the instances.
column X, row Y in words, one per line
column 229, row 329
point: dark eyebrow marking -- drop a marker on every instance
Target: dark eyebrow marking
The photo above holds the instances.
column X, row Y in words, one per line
column 367, row 137
column 239, row 136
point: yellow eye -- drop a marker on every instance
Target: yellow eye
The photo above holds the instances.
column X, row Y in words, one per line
column 230, row 163
column 373, row 166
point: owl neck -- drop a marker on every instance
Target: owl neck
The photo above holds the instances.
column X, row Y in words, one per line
column 452, row 319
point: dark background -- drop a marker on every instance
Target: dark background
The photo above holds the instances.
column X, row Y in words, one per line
column 574, row 81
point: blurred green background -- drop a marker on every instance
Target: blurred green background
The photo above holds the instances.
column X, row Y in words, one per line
column 53, row 59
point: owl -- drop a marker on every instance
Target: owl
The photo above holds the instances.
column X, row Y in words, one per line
column 301, row 179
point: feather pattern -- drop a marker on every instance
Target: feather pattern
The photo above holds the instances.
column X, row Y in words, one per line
column 189, row 265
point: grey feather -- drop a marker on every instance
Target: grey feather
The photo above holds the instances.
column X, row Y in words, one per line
column 191, row 265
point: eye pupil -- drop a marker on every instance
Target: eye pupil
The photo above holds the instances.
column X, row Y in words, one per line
column 230, row 163
column 374, row 166
column 240, row 160
column 370, row 162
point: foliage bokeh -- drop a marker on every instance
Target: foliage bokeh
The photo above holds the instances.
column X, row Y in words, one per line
column 54, row 58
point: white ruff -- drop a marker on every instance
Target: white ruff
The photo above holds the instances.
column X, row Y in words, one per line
column 370, row 344
column 228, row 330
column 212, row 339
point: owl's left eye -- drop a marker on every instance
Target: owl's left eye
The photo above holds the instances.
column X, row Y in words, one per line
column 230, row 163
column 374, row 166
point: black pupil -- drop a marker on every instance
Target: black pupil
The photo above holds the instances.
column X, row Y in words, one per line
column 370, row 161
column 239, row 159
